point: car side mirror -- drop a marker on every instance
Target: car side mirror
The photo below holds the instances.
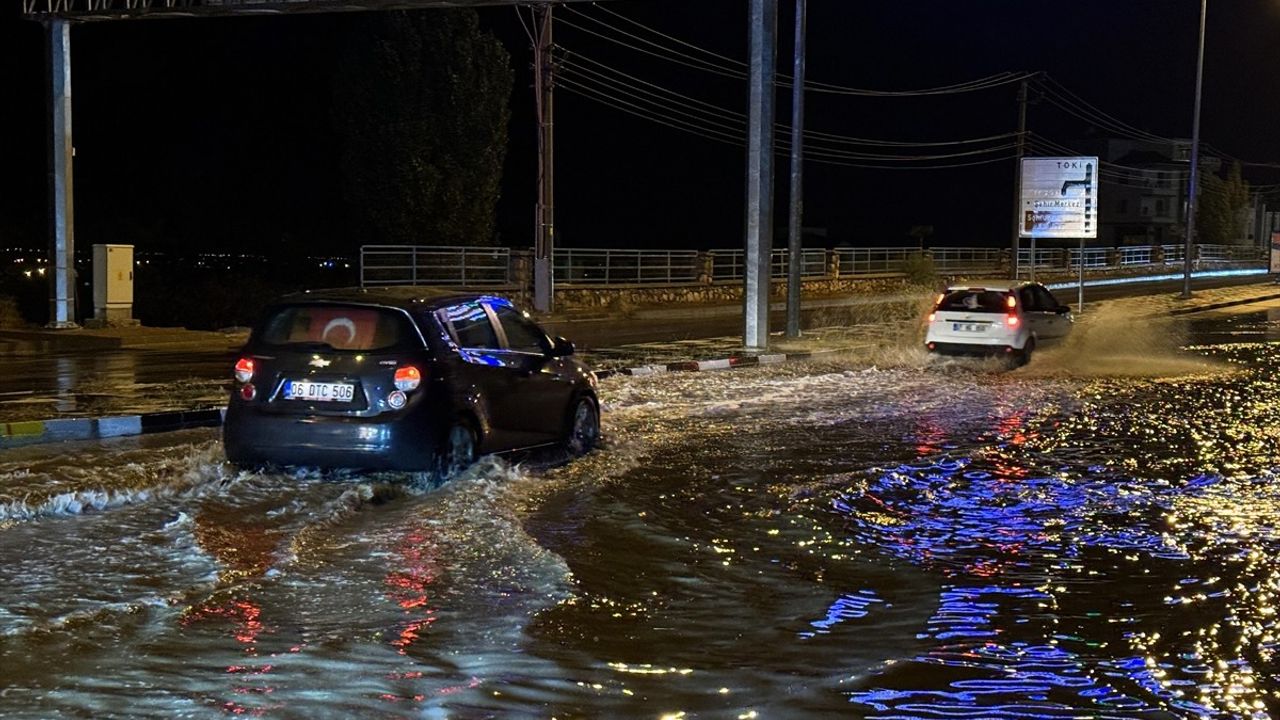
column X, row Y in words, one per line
column 561, row 348
column 1063, row 310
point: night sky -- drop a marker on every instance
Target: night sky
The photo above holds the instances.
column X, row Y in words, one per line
column 217, row 133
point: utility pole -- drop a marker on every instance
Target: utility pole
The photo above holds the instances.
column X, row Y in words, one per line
column 1195, row 163
column 1017, row 179
column 795, row 231
column 544, row 238
column 758, row 244
column 62, row 246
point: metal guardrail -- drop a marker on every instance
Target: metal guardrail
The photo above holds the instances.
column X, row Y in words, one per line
column 626, row 267
column 423, row 265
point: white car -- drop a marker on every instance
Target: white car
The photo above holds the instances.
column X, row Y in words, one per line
column 988, row 319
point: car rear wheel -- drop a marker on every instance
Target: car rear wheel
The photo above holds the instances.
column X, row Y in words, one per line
column 1024, row 356
column 583, row 427
column 459, row 450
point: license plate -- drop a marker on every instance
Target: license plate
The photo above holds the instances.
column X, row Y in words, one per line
column 318, row 391
column 968, row 327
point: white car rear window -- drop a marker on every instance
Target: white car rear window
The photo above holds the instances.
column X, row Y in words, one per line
column 983, row 301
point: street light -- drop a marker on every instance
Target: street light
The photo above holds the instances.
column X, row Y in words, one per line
column 1195, row 162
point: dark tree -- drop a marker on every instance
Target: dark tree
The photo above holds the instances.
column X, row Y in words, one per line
column 1221, row 208
column 421, row 104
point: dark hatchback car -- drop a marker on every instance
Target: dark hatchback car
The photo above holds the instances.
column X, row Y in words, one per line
column 404, row 379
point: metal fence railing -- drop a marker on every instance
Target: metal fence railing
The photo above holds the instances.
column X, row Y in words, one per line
column 813, row 263
column 730, row 264
column 1094, row 258
column 620, row 267
column 1046, row 259
column 1130, row 256
column 957, row 260
column 1229, row 253
column 874, row 260
column 425, row 265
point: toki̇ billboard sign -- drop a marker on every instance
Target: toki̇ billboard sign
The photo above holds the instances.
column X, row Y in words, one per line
column 1059, row 197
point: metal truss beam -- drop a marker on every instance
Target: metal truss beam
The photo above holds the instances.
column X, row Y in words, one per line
column 129, row 9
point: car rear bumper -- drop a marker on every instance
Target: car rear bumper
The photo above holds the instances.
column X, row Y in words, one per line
column 948, row 348
column 402, row 442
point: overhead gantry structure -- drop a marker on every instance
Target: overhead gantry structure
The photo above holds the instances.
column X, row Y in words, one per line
column 58, row 15
column 87, row 10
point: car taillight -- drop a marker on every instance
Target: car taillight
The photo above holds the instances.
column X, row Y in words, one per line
column 244, row 370
column 1011, row 301
column 1011, row 320
column 408, row 378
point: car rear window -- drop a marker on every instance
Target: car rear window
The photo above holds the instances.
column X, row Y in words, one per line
column 341, row 327
column 983, row 301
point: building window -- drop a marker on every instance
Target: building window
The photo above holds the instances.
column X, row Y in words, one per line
column 1124, row 206
column 1161, row 205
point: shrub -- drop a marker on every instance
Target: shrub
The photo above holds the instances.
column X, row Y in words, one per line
column 920, row 270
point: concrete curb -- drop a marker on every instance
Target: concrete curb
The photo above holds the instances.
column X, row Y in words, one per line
column 734, row 361
column 1224, row 304
column 34, row 432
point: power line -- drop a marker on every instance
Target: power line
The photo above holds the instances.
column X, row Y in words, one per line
column 691, row 55
column 1051, row 85
column 608, row 79
column 678, row 120
column 729, row 67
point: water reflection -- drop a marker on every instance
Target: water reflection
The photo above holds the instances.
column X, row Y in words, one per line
column 1057, row 556
column 245, row 550
column 798, row 541
column 407, row 584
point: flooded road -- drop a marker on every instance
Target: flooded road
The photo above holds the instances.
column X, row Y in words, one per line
column 1092, row 536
